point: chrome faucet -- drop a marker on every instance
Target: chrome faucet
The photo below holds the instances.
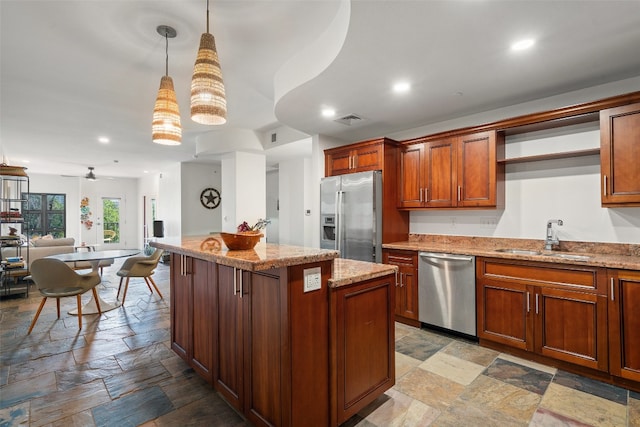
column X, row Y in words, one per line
column 552, row 239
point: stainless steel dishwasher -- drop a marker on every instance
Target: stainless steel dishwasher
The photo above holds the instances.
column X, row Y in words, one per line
column 447, row 291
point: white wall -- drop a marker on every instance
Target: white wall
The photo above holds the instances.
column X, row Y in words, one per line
column 273, row 213
column 170, row 200
column 148, row 188
column 243, row 183
column 196, row 219
column 292, row 205
column 76, row 188
column 319, row 143
column 310, row 197
column 43, row 183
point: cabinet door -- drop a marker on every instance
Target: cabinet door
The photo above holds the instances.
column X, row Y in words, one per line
column 181, row 306
column 406, row 285
column 338, row 163
column 503, row 311
column 364, row 344
column 407, row 293
column 440, row 172
column 572, row 326
column 204, row 307
column 620, row 155
column 265, row 392
column 411, row 177
column 228, row 368
column 368, row 158
column 624, row 324
column 477, row 170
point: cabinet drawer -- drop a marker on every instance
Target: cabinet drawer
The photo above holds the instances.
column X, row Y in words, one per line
column 400, row 260
column 585, row 278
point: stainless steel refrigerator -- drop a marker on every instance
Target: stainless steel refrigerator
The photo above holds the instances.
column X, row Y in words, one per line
column 351, row 215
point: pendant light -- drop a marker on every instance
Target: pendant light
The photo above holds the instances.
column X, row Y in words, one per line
column 208, row 102
column 166, row 128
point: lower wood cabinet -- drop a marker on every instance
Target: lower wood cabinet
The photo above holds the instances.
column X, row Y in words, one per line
column 557, row 311
column 406, row 307
column 192, row 329
column 624, row 324
column 363, row 346
column 228, row 343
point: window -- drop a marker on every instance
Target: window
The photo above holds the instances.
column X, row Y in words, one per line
column 111, row 216
column 46, row 214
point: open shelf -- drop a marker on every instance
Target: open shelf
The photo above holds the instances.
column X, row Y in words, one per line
column 550, row 156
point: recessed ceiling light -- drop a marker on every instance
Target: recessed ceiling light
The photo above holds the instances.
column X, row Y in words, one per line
column 401, row 87
column 523, row 44
column 145, row 171
column 328, row 112
column 103, row 139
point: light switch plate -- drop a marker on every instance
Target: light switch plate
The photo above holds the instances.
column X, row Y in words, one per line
column 312, row 279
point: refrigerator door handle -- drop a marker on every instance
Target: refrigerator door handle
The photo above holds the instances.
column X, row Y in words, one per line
column 339, row 221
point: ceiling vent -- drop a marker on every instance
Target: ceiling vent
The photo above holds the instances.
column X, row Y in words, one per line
column 349, row 119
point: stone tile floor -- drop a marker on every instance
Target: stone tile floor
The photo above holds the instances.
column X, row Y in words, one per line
column 119, row 370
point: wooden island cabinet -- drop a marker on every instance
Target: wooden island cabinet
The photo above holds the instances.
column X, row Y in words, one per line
column 191, row 333
column 287, row 335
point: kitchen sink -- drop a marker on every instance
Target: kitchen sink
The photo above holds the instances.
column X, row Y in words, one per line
column 571, row 256
column 519, row 251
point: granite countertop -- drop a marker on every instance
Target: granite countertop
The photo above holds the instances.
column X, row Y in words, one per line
column 610, row 255
column 263, row 257
column 348, row 271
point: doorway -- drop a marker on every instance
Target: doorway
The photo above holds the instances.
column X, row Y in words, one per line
column 111, row 208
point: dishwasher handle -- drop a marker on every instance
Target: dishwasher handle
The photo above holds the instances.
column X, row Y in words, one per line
column 446, row 257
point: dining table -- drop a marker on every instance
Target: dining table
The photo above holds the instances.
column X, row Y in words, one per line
column 94, row 258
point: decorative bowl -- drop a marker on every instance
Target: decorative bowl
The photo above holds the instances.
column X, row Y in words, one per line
column 241, row 241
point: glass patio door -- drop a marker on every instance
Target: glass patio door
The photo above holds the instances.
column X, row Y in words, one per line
column 111, row 223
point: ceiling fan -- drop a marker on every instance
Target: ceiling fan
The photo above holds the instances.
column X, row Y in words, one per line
column 91, row 176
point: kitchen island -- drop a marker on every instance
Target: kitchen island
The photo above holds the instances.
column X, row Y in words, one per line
column 289, row 336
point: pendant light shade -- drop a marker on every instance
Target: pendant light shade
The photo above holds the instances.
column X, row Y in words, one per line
column 166, row 128
column 208, row 99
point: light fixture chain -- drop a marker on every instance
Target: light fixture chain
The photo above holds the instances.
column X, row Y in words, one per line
column 166, row 50
column 207, row 16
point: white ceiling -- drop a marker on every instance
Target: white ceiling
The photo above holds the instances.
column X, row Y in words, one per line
column 74, row 70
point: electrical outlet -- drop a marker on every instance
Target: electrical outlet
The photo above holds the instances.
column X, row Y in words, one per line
column 453, row 221
column 489, row 222
column 312, row 279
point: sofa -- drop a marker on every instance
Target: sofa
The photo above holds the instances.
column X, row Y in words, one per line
column 40, row 248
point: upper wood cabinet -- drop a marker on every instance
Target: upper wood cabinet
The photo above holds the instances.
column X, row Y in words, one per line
column 459, row 171
column 360, row 157
column 620, row 156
